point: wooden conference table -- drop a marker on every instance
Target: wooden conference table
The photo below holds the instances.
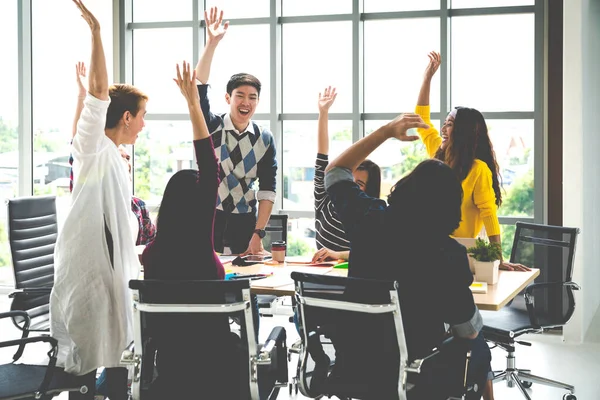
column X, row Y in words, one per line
column 510, row 283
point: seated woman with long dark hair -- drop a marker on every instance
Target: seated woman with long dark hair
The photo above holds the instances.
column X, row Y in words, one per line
column 408, row 241
column 183, row 250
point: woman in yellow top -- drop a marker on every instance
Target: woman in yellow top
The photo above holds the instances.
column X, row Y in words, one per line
column 466, row 147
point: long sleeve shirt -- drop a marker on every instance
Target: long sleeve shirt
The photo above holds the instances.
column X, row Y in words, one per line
column 479, row 200
column 329, row 229
column 90, row 305
column 244, row 157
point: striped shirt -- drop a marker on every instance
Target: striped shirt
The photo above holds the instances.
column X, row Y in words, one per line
column 329, row 228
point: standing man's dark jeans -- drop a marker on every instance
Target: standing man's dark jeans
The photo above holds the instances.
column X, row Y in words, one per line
column 233, row 231
column 116, row 385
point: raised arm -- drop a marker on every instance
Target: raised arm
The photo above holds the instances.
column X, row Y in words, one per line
column 214, row 33
column 325, row 102
column 79, row 73
column 187, row 85
column 98, row 76
column 430, row 135
column 435, row 59
column 359, row 151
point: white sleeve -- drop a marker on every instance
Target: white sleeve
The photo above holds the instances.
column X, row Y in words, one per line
column 90, row 127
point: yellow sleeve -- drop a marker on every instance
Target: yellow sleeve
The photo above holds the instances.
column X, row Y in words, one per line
column 485, row 198
column 431, row 137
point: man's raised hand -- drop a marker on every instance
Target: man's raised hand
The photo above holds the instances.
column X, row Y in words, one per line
column 214, row 29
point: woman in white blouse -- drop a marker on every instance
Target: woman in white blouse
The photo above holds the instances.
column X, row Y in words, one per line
column 90, row 307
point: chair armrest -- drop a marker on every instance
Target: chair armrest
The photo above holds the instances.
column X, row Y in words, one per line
column 36, row 291
column 51, row 355
column 530, row 297
column 416, row 365
column 25, row 329
column 265, row 353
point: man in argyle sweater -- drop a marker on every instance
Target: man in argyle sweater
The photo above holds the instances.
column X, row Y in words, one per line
column 245, row 151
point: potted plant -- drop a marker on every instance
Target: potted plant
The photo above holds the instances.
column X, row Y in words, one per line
column 487, row 257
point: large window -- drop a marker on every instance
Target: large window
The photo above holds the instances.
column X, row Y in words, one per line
column 55, row 87
column 9, row 117
column 375, row 57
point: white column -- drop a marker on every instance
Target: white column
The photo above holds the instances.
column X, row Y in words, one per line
column 581, row 159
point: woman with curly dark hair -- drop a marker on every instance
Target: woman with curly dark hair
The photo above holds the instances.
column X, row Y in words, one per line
column 466, row 147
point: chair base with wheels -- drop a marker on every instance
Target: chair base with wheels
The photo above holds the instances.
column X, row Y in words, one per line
column 523, row 378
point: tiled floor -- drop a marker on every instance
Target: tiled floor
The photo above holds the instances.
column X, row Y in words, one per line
column 548, row 356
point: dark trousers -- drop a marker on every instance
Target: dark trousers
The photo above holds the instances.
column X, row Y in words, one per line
column 233, row 231
column 116, row 385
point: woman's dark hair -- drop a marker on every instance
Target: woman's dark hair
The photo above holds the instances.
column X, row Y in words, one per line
column 373, row 187
column 428, row 199
column 469, row 141
column 177, row 227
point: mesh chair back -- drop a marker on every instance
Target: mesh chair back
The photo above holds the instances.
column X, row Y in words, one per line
column 194, row 352
column 276, row 230
column 32, row 232
column 551, row 249
column 361, row 325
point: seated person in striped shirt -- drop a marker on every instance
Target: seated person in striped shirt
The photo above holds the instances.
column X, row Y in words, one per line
column 332, row 243
column 245, row 151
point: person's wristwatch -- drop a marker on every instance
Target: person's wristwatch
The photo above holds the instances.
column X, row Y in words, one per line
column 260, row 232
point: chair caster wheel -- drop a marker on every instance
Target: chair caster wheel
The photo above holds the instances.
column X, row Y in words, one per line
column 526, row 384
column 569, row 396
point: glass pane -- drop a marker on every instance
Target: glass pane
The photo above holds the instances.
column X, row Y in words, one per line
column 155, row 54
column 331, row 65
column 400, row 5
column 507, row 237
column 299, row 154
column 489, row 3
column 252, row 58
column 301, row 237
column 395, row 158
column 493, row 69
column 240, row 8
column 392, row 86
column 162, row 148
column 160, row 10
column 315, row 7
column 513, row 145
column 9, row 125
column 55, row 90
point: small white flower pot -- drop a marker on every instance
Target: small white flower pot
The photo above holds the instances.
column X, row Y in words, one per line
column 486, row 271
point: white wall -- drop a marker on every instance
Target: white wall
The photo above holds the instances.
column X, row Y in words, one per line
column 581, row 158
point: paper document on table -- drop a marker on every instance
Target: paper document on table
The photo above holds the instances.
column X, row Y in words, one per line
column 478, row 287
column 274, row 281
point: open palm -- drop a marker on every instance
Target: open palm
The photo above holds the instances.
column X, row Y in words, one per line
column 214, row 27
column 435, row 59
column 327, row 98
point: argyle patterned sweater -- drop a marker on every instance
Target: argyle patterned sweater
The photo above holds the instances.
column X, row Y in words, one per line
column 244, row 158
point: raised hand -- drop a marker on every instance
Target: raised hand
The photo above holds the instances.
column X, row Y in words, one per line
column 435, row 59
column 327, row 99
column 80, row 72
column 186, row 82
column 88, row 16
column 398, row 127
column 214, row 29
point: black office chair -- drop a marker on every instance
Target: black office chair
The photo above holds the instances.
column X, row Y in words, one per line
column 22, row 381
column 546, row 303
column 32, row 232
column 184, row 347
column 360, row 323
column 276, row 230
